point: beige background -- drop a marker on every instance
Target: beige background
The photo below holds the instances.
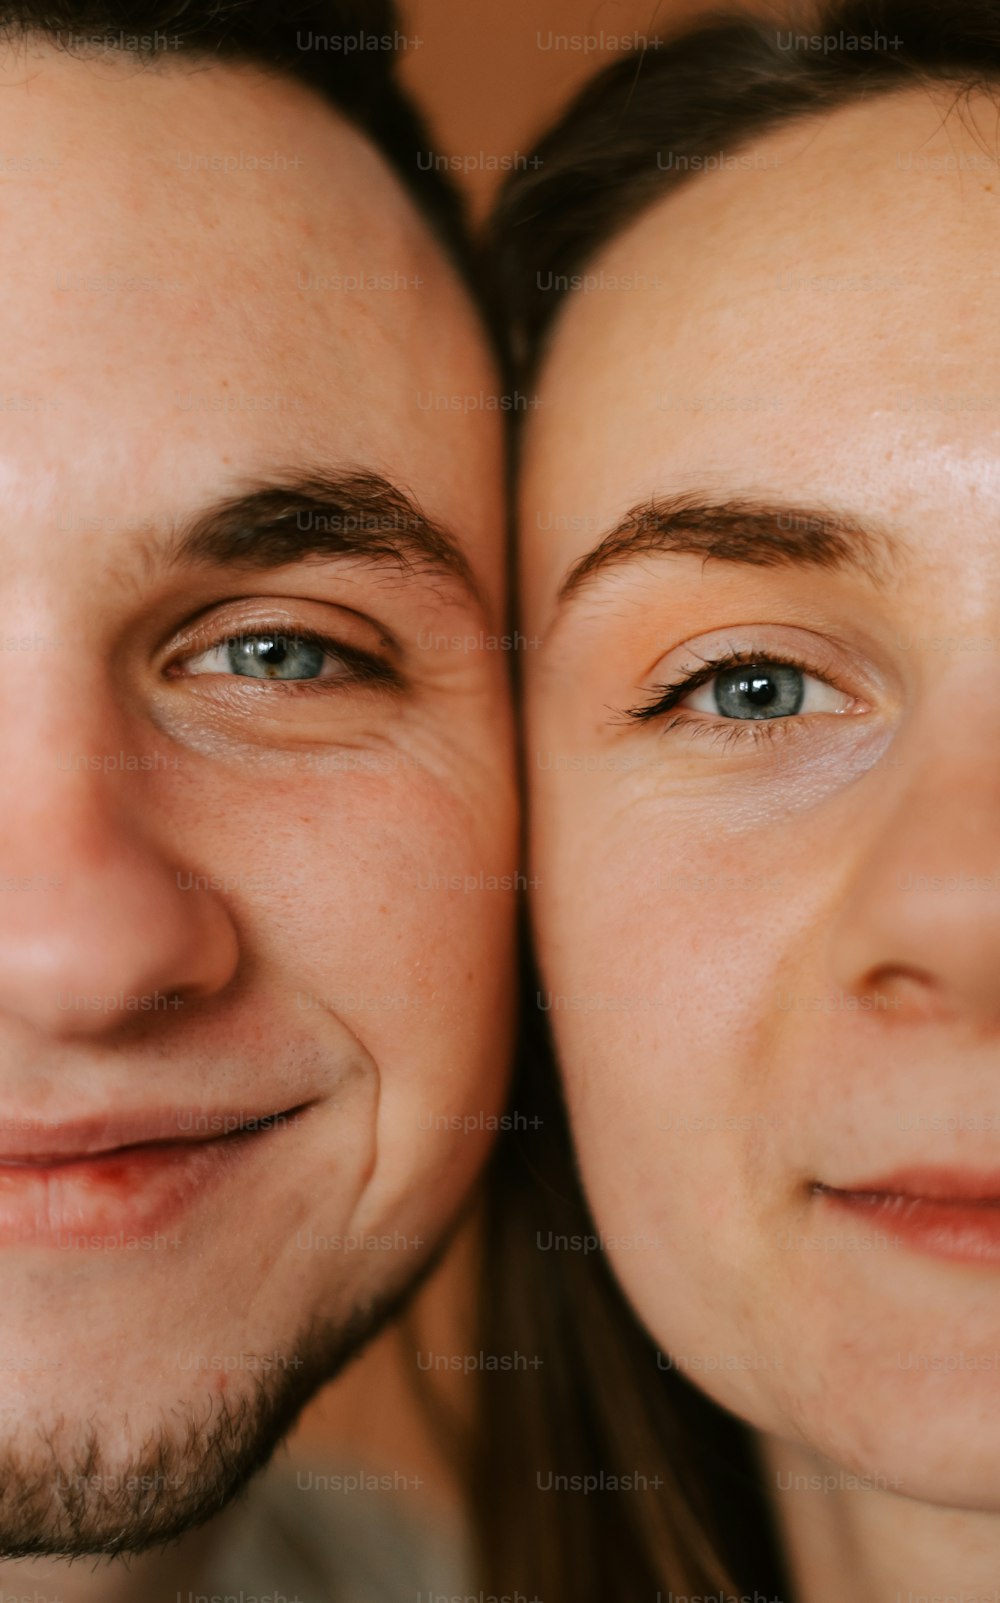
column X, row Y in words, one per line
column 485, row 78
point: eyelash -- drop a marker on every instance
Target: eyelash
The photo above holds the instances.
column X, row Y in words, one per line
column 367, row 669
column 724, row 732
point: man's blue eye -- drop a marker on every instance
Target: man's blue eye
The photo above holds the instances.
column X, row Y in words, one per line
column 267, row 656
column 272, row 654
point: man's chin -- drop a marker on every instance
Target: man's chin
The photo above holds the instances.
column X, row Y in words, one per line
column 69, row 1488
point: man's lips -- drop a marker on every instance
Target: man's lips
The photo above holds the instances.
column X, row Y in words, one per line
column 117, row 1181
column 33, row 1141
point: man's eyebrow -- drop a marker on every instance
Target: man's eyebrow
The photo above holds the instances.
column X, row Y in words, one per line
column 760, row 534
column 317, row 517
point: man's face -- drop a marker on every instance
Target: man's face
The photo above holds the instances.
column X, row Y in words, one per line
column 768, row 912
column 259, row 826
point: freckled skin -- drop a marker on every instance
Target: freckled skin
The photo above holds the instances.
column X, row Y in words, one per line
column 699, row 885
column 334, row 810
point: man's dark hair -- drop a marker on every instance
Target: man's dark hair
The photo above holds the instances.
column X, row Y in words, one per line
column 347, row 50
column 729, row 80
column 597, row 1400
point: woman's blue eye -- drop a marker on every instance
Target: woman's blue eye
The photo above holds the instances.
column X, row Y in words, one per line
column 759, row 690
column 756, row 690
column 268, row 655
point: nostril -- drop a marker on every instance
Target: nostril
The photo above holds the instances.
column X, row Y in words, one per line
column 901, row 991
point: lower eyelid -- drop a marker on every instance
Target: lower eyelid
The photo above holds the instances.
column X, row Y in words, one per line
column 727, row 731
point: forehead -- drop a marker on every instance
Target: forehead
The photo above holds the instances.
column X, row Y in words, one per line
column 207, row 270
column 806, row 319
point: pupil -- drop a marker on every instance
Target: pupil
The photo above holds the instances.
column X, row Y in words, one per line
column 761, row 690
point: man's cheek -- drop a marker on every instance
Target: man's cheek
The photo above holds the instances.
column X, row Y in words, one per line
column 403, row 924
column 341, row 843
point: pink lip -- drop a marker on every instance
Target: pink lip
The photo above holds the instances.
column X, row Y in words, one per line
column 947, row 1213
column 118, row 1183
column 32, row 1140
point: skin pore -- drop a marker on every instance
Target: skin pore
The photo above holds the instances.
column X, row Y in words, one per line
column 217, row 452
column 769, row 948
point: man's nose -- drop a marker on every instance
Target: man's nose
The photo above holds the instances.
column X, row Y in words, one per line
column 98, row 922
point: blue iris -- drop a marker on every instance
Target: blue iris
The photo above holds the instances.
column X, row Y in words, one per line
column 274, row 657
column 760, row 690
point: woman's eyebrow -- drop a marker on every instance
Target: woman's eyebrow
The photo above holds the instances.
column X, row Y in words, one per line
column 758, row 533
column 317, row 517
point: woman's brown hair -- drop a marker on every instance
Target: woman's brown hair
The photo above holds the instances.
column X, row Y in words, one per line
column 675, row 1505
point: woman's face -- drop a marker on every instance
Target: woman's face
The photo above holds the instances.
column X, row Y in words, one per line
column 768, row 905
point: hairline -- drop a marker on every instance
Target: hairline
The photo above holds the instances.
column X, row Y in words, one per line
column 962, row 88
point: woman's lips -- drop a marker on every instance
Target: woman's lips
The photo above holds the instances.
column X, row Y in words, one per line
column 948, row 1213
column 65, row 1186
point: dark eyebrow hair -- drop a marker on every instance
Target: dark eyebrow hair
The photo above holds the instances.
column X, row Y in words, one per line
column 761, row 534
column 319, row 517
